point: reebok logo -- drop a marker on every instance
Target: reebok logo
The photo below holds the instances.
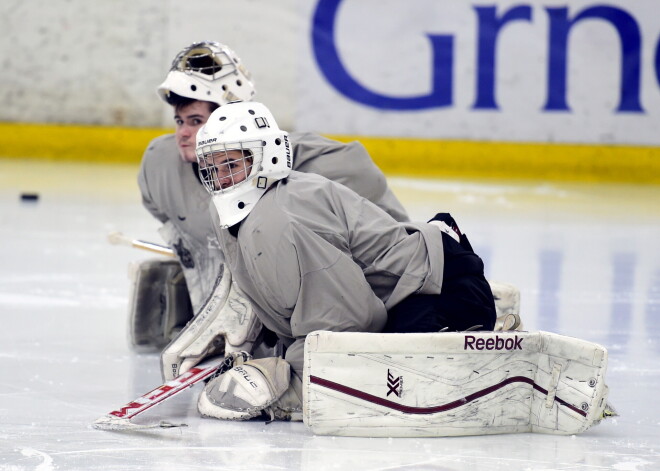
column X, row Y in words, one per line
column 492, row 343
column 394, row 384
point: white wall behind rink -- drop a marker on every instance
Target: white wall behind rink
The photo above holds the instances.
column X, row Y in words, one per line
column 78, row 61
column 99, row 63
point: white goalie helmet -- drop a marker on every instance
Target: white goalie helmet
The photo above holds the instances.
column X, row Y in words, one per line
column 208, row 71
column 241, row 152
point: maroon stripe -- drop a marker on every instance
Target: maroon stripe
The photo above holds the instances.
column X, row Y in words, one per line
column 442, row 408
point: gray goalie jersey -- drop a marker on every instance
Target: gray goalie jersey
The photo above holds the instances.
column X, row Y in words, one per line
column 313, row 255
column 173, row 194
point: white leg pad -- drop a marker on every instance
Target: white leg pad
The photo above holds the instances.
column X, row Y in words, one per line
column 451, row 384
column 226, row 324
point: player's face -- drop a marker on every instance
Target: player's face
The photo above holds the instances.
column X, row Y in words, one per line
column 188, row 120
column 231, row 167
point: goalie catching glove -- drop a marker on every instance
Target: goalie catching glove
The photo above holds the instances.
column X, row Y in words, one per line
column 251, row 389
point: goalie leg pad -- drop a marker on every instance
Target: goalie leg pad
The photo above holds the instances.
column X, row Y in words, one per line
column 451, row 384
column 225, row 324
column 248, row 390
column 159, row 305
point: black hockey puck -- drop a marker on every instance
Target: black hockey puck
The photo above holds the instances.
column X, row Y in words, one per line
column 29, row 197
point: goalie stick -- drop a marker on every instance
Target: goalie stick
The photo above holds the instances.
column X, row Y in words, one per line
column 117, row 238
column 120, row 419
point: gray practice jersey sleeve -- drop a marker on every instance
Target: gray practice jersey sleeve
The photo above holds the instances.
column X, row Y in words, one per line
column 349, row 164
column 314, row 255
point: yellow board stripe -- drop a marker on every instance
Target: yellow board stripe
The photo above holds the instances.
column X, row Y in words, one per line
column 75, row 143
column 502, row 160
column 395, row 156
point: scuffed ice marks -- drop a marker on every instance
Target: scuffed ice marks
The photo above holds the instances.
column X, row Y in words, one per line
column 46, row 463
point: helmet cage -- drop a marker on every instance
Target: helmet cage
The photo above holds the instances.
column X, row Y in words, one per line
column 203, row 62
column 225, row 166
column 207, row 71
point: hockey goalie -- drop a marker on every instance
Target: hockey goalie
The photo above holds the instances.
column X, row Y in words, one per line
column 360, row 301
column 167, row 293
column 388, row 327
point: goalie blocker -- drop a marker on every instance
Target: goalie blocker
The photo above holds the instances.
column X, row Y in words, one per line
column 451, row 384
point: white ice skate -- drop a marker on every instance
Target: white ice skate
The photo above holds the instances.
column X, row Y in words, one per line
column 507, row 306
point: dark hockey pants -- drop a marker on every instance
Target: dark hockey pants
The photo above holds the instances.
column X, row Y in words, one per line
column 465, row 301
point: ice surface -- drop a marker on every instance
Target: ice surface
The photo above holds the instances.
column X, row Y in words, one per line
column 586, row 258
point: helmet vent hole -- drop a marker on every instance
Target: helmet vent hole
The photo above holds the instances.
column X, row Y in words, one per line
column 193, row 87
column 239, row 83
column 222, row 118
column 241, row 205
column 263, row 143
column 278, row 141
column 251, row 112
column 243, row 128
column 224, row 88
column 274, row 160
